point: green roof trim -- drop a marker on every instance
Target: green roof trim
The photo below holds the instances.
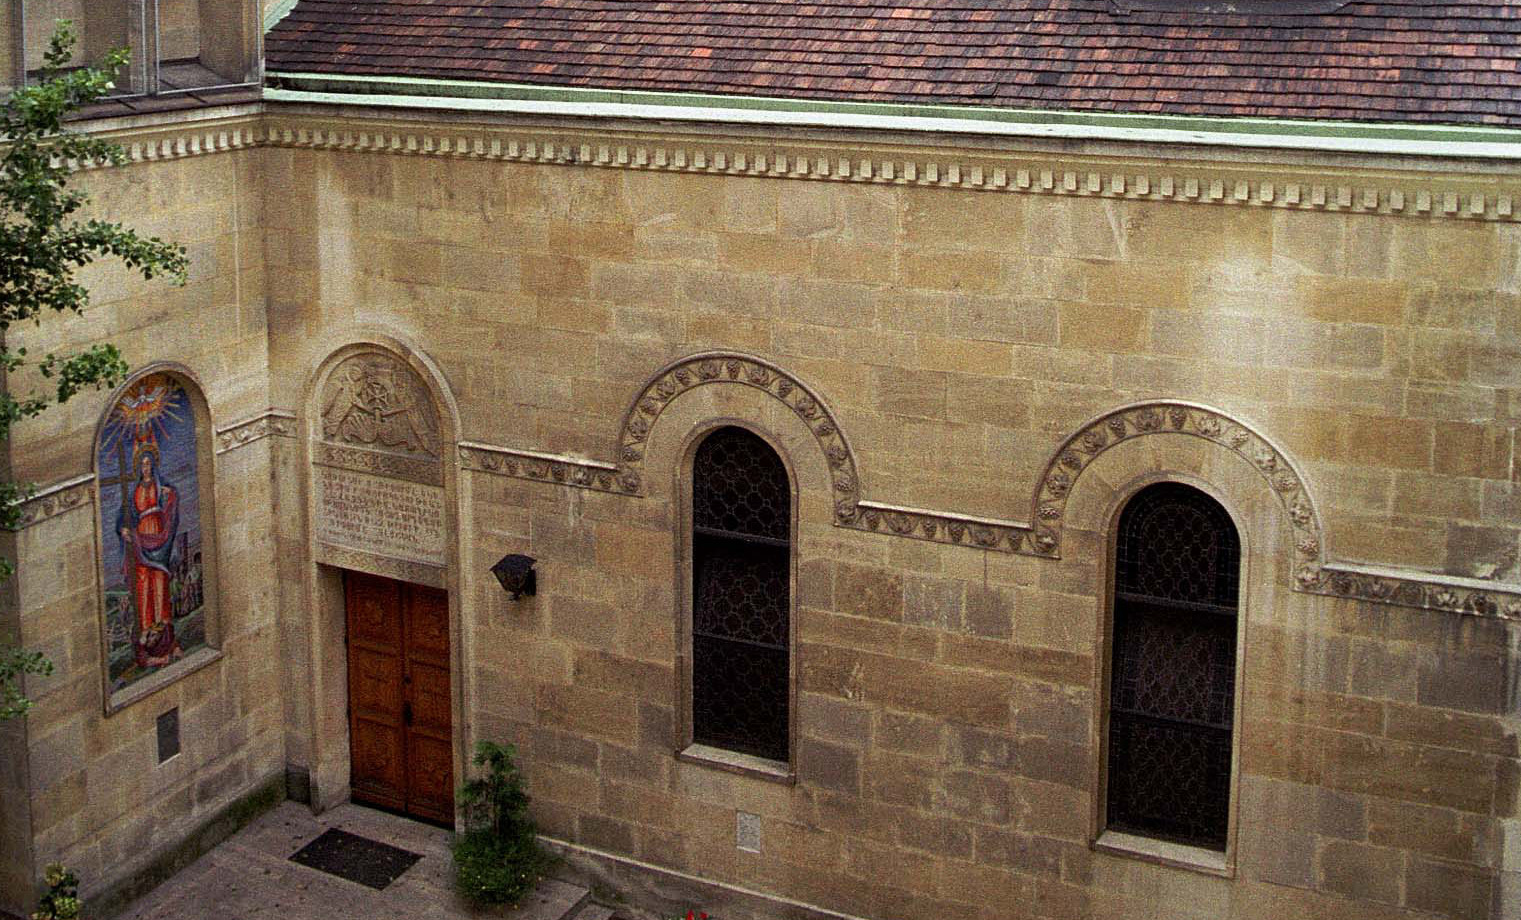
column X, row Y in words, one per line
column 393, row 91
column 276, row 12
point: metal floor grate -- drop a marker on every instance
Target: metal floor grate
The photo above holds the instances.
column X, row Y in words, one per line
column 355, row 858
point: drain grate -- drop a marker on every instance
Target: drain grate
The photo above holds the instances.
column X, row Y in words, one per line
column 358, row 859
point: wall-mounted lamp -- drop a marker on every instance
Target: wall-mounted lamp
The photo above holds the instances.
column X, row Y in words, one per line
column 515, row 572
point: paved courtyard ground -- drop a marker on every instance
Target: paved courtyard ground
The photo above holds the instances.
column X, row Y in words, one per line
column 250, row 876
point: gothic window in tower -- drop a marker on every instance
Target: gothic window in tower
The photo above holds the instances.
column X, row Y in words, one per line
column 1172, row 675
column 741, row 603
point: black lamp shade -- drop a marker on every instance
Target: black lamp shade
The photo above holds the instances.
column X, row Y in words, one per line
column 515, row 572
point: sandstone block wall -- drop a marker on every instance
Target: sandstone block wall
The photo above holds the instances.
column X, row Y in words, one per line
column 82, row 786
column 949, row 700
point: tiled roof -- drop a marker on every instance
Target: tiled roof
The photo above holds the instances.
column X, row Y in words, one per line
column 1382, row 60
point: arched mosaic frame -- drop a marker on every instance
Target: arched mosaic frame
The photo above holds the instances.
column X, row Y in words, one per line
column 185, row 646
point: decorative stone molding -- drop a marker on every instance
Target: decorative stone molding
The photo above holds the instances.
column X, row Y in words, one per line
column 188, row 140
column 1167, row 416
column 1042, row 536
column 539, row 467
column 712, row 367
column 379, row 463
column 273, row 423
column 1303, row 189
column 56, row 498
column 941, row 527
column 1447, row 593
column 1313, row 574
column 379, row 501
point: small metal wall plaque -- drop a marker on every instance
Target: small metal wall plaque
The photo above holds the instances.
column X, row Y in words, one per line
column 168, row 734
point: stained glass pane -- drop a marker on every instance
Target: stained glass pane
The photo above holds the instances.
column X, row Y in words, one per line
column 1172, row 689
column 741, row 559
column 739, row 485
column 1176, row 543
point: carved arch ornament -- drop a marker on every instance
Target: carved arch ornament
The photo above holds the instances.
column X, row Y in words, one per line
column 1040, row 537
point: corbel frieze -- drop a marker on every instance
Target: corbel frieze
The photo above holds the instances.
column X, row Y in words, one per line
column 1479, row 198
column 1257, row 186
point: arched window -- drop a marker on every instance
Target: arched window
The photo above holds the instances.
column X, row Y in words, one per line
column 1173, row 673
column 741, row 568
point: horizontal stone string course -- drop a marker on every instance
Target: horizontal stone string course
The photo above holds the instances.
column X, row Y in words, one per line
column 54, row 499
column 272, row 423
column 1294, row 191
column 1040, row 538
column 1302, row 192
column 538, row 467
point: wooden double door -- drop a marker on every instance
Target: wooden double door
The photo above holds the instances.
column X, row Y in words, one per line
column 400, row 736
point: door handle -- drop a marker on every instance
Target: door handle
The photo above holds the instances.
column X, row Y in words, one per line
column 406, row 713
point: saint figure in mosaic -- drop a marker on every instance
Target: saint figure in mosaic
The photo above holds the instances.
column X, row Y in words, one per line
column 150, row 515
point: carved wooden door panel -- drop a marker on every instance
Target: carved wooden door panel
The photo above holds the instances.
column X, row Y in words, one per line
column 377, row 734
column 430, row 755
column 399, row 714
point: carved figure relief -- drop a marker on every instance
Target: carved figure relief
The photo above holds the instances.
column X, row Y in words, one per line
column 378, row 469
column 373, row 399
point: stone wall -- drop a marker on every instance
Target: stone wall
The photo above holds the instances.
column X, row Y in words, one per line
column 1328, row 347
column 99, row 799
column 949, row 698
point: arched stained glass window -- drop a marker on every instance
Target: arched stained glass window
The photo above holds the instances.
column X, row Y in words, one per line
column 741, row 566
column 1173, row 674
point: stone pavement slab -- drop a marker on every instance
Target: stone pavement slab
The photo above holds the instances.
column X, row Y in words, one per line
column 250, row 876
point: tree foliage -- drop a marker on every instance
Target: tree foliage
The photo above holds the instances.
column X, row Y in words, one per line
column 42, row 245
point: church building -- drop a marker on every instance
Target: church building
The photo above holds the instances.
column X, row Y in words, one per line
column 894, row 460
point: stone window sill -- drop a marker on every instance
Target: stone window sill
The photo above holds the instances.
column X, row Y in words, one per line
column 774, row 771
column 1165, row 852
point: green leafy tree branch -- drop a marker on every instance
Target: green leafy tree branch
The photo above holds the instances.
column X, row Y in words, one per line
column 42, row 245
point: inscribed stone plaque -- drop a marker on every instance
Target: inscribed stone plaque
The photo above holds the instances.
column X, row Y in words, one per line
column 377, row 470
column 380, row 515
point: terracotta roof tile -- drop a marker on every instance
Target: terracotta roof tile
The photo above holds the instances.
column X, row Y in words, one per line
column 1380, row 60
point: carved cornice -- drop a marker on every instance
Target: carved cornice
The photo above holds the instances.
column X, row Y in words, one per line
column 184, row 141
column 1287, row 187
column 1482, row 198
column 272, row 423
column 56, row 498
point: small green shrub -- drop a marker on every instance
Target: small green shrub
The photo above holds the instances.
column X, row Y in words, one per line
column 497, row 859
column 62, row 899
